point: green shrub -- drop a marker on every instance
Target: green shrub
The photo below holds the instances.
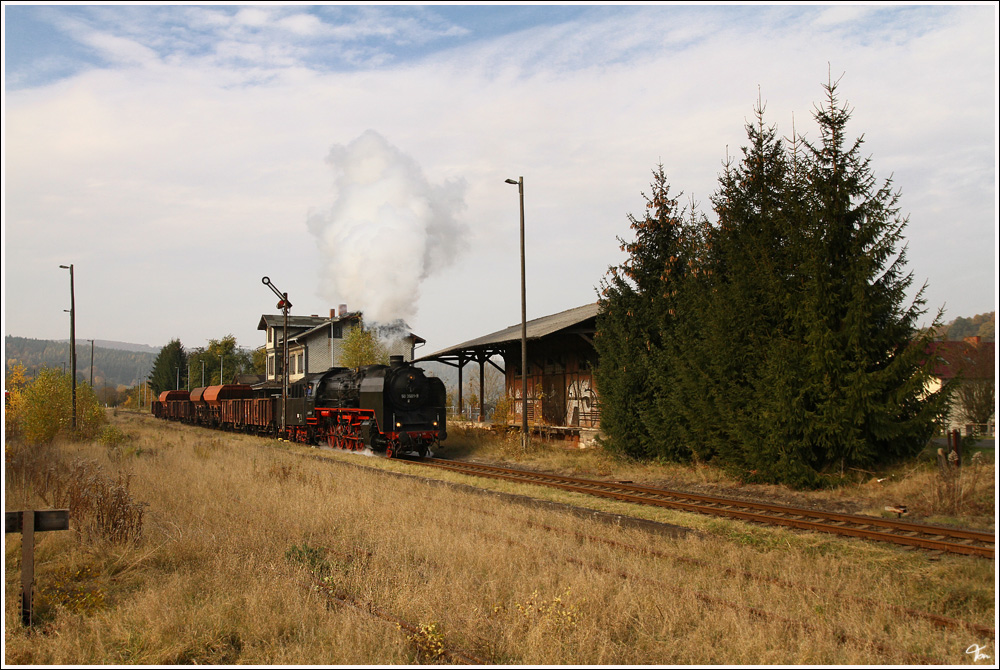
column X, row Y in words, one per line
column 42, row 408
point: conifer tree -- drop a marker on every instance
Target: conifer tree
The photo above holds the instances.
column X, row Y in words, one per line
column 864, row 400
column 636, row 310
column 170, row 364
column 776, row 342
column 740, row 303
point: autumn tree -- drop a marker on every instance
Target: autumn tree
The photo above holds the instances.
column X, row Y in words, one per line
column 361, row 347
column 41, row 408
column 259, row 358
column 221, row 360
column 975, row 397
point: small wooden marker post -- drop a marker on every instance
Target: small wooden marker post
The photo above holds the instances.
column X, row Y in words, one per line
column 28, row 523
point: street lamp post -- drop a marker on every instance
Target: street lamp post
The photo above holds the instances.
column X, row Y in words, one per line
column 524, row 328
column 72, row 333
column 91, row 364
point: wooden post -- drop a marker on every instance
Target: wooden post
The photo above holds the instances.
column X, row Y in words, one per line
column 27, row 565
column 28, row 523
column 482, row 405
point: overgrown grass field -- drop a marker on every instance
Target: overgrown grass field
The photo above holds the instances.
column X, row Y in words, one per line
column 192, row 546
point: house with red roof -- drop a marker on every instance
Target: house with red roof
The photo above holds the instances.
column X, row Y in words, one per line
column 970, row 363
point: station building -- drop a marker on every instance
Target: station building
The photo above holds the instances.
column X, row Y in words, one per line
column 561, row 394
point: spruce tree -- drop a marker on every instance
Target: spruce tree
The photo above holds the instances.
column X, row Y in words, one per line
column 777, row 342
column 734, row 357
column 867, row 364
column 170, row 364
column 636, row 310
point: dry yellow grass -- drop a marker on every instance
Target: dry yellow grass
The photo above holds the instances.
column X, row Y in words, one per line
column 253, row 554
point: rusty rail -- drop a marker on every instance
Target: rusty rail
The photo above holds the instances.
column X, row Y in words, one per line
column 926, row 536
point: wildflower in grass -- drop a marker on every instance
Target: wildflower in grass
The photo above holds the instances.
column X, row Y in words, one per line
column 428, row 641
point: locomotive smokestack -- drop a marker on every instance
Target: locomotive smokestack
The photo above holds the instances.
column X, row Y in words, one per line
column 395, row 361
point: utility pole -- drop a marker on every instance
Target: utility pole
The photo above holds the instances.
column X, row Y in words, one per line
column 72, row 333
column 524, row 329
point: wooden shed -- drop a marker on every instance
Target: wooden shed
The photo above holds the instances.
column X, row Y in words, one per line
column 561, row 394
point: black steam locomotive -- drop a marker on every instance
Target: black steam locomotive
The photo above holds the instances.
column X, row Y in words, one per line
column 390, row 410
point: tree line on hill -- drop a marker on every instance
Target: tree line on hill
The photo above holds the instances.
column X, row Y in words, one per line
column 112, row 367
column 776, row 342
column 981, row 325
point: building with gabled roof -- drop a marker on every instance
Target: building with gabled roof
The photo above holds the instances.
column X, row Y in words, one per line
column 315, row 343
column 561, row 394
column 970, row 360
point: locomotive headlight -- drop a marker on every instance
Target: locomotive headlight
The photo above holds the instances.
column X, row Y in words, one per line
column 435, row 423
column 399, row 425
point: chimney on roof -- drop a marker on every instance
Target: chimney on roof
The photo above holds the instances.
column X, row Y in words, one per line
column 333, row 313
column 343, row 310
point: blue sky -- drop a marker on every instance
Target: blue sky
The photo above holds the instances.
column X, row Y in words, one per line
column 357, row 154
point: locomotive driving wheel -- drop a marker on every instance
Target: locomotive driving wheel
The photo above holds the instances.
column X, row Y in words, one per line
column 334, row 436
column 391, row 447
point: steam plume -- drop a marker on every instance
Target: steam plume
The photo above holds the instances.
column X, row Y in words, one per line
column 387, row 230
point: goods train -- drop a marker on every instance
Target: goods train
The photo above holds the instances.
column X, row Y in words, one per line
column 390, row 409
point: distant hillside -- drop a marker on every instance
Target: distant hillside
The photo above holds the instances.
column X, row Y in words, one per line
column 115, row 363
column 123, row 346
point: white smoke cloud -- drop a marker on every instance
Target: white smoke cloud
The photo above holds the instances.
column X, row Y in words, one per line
column 388, row 229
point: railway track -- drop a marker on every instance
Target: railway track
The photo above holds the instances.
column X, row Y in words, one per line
column 925, row 536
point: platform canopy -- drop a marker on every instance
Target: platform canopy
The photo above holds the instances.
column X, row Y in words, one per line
column 578, row 320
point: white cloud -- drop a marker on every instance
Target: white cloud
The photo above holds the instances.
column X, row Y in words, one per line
column 302, row 24
column 254, row 17
column 119, row 49
column 842, row 14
